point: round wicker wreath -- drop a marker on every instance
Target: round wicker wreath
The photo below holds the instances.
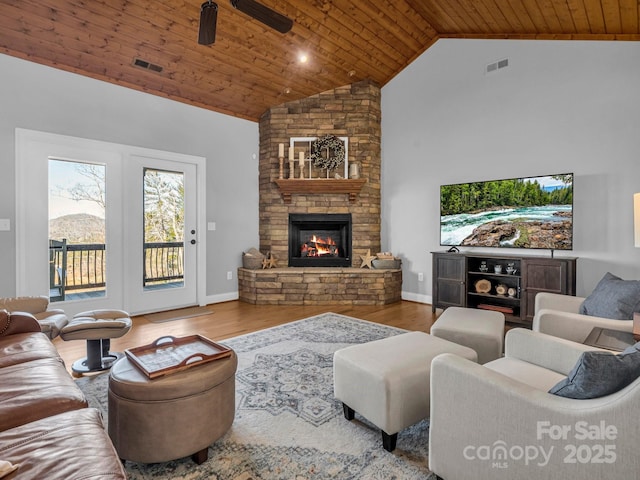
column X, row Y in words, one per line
column 327, row 152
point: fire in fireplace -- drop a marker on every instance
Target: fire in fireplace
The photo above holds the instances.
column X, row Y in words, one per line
column 319, row 247
column 319, row 240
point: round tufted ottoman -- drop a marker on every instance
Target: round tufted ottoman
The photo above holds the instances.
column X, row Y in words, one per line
column 97, row 327
column 170, row 417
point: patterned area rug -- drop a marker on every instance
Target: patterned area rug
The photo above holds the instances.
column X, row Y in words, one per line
column 288, row 425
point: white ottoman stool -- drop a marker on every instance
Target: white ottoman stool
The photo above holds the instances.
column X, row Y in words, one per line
column 387, row 381
column 482, row 330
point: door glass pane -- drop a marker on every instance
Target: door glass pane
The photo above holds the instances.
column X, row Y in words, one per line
column 163, row 229
column 77, row 247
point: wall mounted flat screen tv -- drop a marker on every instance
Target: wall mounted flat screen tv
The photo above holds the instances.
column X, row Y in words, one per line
column 527, row 212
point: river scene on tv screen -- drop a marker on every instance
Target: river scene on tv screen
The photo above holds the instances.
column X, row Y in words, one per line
column 534, row 212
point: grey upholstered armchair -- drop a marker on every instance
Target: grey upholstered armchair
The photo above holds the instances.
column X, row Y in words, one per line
column 558, row 315
column 498, row 421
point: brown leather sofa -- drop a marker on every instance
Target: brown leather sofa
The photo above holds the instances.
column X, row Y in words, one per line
column 46, row 428
column 51, row 321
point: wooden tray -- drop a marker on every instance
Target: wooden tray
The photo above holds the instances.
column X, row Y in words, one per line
column 172, row 354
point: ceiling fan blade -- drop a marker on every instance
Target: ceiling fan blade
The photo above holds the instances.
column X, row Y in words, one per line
column 264, row 14
column 208, row 19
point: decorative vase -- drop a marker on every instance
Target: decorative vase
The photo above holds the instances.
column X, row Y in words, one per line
column 354, row 170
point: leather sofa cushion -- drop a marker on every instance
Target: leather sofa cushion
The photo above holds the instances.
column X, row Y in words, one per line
column 69, row 445
column 33, row 390
column 25, row 347
column 51, row 322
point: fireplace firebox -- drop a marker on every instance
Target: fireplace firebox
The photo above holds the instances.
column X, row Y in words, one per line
column 319, row 240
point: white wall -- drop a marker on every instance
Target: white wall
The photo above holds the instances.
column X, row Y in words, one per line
column 45, row 99
column 559, row 107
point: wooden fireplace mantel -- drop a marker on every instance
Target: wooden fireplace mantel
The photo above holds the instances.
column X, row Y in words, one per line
column 319, row 186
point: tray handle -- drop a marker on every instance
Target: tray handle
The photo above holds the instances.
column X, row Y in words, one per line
column 196, row 357
column 164, row 340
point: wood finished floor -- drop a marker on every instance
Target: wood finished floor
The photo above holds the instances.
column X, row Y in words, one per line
column 235, row 318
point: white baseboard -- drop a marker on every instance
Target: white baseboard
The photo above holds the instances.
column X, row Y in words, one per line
column 227, row 297
column 415, row 297
column 223, row 297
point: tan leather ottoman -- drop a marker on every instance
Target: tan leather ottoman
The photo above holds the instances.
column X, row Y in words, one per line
column 173, row 416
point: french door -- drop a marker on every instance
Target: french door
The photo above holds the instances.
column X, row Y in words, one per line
column 146, row 259
column 161, row 229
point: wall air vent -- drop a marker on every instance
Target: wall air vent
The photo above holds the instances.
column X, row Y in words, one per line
column 495, row 66
column 147, row 65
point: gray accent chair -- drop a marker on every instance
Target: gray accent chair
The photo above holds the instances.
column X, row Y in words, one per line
column 558, row 315
column 498, row 421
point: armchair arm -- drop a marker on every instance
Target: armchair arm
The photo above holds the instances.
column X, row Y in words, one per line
column 481, row 420
column 552, row 353
column 17, row 322
column 574, row 326
column 556, row 301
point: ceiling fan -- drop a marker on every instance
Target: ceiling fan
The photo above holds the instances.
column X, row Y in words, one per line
column 209, row 16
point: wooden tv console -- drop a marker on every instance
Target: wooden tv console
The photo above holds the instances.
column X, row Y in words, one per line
column 472, row 280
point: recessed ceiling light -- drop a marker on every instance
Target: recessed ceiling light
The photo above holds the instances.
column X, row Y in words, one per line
column 303, row 58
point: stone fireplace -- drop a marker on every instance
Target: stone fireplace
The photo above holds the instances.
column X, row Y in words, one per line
column 319, row 239
column 352, row 111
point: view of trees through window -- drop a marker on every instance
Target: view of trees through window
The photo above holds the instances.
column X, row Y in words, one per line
column 77, row 227
column 163, row 227
column 163, row 206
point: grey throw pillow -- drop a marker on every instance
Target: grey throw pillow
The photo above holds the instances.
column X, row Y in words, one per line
column 600, row 373
column 614, row 298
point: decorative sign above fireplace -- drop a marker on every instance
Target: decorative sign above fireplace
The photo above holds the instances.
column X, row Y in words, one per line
column 319, row 240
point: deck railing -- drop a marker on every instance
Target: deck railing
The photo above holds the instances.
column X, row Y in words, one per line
column 75, row 267
column 163, row 261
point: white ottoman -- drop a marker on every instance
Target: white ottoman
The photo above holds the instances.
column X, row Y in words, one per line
column 387, row 381
column 482, row 330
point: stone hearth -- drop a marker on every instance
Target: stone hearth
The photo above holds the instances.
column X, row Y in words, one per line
column 319, row 286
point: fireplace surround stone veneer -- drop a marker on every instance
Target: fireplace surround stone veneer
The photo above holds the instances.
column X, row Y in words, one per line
column 351, row 111
column 319, row 286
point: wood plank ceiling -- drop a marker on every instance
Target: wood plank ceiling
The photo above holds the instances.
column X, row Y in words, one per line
column 251, row 68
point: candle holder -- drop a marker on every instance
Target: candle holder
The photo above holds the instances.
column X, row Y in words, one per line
column 292, row 173
column 281, row 173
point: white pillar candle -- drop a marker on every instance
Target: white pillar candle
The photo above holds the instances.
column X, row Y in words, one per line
column 281, row 150
column 291, row 157
column 301, row 159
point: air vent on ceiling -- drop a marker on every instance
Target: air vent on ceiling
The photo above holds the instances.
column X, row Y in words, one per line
column 495, row 66
column 147, row 65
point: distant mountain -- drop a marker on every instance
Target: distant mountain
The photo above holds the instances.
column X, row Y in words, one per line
column 78, row 228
